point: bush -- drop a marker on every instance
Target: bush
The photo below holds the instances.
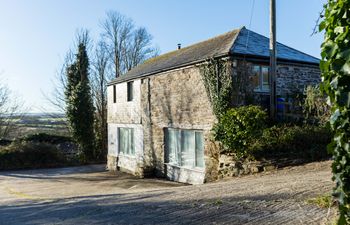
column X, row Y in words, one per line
column 47, row 138
column 22, row 154
column 238, row 127
column 315, row 106
column 294, row 142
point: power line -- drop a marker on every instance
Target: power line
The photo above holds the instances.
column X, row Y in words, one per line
column 250, row 23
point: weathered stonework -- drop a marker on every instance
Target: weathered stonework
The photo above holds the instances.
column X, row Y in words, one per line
column 121, row 114
column 229, row 167
column 177, row 99
column 292, row 79
column 174, row 99
column 123, row 111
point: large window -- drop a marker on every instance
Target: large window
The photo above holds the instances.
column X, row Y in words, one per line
column 185, row 148
column 261, row 78
column 126, row 141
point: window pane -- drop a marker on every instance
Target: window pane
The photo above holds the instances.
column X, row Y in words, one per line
column 114, row 94
column 172, row 146
column 199, row 149
column 187, row 148
column 265, row 78
column 121, row 140
column 132, row 146
column 130, row 91
column 256, row 77
column 126, row 141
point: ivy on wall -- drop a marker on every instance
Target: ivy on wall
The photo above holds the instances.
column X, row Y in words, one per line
column 335, row 67
column 217, row 77
column 226, row 85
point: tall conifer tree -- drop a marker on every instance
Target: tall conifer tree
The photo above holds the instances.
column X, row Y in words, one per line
column 80, row 109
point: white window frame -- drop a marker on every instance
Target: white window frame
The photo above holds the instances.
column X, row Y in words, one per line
column 261, row 78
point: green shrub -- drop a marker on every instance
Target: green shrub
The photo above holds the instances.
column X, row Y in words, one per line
column 315, row 106
column 21, row 155
column 47, row 138
column 306, row 142
column 238, row 127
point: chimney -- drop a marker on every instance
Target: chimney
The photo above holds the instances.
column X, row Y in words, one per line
column 179, row 46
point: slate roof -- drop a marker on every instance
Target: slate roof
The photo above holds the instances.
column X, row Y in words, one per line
column 236, row 42
column 258, row 45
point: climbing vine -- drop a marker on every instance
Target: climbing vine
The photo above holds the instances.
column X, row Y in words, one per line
column 217, row 77
column 335, row 67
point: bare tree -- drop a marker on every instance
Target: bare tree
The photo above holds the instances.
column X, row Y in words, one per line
column 116, row 32
column 122, row 47
column 127, row 46
column 99, row 81
column 57, row 98
column 10, row 106
column 138, row 48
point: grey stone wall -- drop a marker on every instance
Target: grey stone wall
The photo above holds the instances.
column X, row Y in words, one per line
column 291, row 79
column 175, row 99
column 229, row 167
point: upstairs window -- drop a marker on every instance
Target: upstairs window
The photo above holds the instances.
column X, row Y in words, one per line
column 261, row 78
column 114, row 94
column 130, row 91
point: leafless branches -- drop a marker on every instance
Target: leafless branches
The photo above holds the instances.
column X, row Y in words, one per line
column 99, row 81
column 57, row 98
column 121, row 47
column 10, row 106
column 127, row 46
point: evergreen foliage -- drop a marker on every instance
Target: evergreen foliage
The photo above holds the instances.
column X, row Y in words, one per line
column 315, row 106
column 79, row 105
column 238, row 127
column 217, row 78
column 335, row 66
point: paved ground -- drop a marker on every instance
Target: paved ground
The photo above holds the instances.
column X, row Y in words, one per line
column 89, row 195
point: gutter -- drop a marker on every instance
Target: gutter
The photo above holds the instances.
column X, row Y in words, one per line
column 253, row 58
column 122, row 79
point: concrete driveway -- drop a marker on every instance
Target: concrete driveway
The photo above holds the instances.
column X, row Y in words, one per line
column 90, row 195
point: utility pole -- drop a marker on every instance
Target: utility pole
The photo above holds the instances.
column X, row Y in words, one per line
column 273, row 51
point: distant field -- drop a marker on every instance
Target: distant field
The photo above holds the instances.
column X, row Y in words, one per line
column 39, row 123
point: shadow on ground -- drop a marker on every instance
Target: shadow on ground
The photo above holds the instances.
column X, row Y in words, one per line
column 149, row 209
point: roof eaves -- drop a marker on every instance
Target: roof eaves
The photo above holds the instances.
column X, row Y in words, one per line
column 264, row 58
column 122, row 79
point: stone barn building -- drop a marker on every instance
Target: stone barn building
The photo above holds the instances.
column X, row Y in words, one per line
column 159, row 114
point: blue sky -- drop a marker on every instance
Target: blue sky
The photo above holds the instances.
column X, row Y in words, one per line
column 36, row 34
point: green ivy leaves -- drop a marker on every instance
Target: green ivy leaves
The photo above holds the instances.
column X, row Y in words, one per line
column 217, row 79
column 335, row 67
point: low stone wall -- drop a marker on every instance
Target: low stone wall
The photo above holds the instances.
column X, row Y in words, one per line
column 229, row 167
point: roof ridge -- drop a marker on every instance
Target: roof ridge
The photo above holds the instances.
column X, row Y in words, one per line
column 166, row 54
column 201, row 42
